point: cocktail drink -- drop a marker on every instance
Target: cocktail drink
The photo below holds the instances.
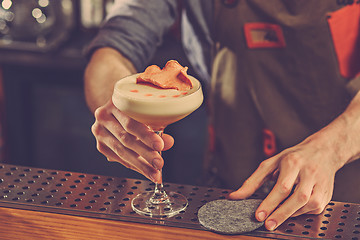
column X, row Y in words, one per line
column 156, row 107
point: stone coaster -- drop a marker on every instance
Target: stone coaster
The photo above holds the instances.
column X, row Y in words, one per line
column 230, row 216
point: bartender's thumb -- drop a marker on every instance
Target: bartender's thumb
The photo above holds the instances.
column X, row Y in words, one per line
column 168, row 141
column 245, row 191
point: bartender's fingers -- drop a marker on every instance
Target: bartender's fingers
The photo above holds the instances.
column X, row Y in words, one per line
column 115, row 152
column 139, row 130
column 168, row 141
column 297, row 200
column 133, row 143
column 256, row 180
column 105, row 140
column 278, row 194
column 320, row 197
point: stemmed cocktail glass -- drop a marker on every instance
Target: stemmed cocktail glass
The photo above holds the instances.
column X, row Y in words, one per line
column 156, row 108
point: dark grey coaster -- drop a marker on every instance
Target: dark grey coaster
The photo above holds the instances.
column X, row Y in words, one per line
column 230, row 216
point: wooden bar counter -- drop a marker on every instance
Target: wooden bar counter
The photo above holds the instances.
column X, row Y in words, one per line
column 16, row 224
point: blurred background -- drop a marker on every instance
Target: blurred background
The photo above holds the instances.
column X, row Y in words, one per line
column 44, row 120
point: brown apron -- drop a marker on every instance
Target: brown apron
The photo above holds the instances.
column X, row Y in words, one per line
column 274, row 67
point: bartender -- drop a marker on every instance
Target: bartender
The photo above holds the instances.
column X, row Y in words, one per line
column 283, row 102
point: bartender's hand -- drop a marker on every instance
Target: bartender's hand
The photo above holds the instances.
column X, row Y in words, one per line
column 133, row 144
column 309, row 168
column 119, row 137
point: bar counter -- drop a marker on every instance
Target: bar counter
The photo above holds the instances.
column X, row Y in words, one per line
column 16, row 224
column 51, row 204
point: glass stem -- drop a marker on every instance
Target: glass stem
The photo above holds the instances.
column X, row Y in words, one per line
column 160, row 195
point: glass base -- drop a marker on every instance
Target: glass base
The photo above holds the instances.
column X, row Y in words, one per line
column 145, row 204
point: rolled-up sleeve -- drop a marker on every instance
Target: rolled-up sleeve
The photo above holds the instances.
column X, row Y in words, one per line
column 135, row 28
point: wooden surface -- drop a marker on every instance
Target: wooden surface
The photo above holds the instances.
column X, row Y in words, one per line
column 18, row 224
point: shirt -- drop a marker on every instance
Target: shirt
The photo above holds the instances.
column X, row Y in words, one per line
column 136, row 28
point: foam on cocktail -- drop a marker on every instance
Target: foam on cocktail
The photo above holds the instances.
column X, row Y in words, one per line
column 153, row 106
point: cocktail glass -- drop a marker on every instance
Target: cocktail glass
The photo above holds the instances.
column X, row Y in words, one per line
column 156, row 108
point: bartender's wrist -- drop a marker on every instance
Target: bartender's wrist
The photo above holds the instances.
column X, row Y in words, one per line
column 342, row 136
column 351, row 122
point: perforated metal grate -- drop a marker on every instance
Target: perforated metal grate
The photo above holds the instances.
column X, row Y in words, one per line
column 110, row 197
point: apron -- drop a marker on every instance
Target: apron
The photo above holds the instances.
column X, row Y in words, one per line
column 275, row 67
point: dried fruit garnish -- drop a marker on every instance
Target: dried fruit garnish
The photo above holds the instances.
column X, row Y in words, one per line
column 172, row 76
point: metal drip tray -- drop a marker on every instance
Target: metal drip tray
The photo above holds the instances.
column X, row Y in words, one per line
column 110, row 198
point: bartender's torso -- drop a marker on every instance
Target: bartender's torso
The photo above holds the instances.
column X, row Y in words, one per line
column 274, row 67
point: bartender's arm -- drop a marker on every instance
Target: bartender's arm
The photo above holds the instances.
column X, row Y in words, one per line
column 122, row 47
column 310, row 167
column 105, row 68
